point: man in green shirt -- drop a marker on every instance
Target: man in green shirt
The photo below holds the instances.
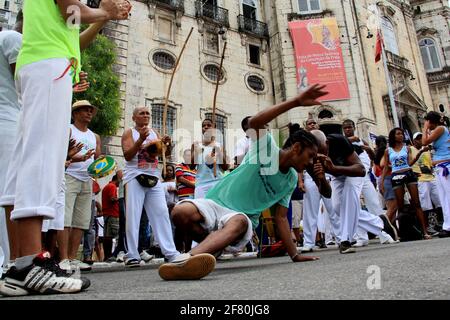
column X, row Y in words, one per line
column 266, row 177
column 47, row 63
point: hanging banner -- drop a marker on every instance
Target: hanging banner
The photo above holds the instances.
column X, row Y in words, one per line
column 318, row 56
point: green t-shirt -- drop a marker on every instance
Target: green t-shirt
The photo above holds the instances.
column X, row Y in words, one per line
column 46, row 35
column 257, row 184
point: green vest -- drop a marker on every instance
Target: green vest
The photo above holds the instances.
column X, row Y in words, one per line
column 46, row 35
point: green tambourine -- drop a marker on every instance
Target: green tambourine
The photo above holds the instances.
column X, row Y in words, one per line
column 102, row 167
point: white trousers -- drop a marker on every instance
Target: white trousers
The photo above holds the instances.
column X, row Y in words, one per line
column 37, row 164
column 444, row 196
column 58, row 222
column 345, row 199
column 429, row 195
column 311, row 207
column 371, row 197
column 8, row 131
column 324, row 224
column 153, row 200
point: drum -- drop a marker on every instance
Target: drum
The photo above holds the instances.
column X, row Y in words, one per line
column 155, row 149
column 102, row 167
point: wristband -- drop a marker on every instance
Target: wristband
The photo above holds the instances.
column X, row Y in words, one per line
column 292, row 258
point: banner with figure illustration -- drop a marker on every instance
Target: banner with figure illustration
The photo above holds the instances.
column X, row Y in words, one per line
column 318, row 56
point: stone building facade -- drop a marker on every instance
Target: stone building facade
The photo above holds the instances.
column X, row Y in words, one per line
column 432, row 23
column 259, row 66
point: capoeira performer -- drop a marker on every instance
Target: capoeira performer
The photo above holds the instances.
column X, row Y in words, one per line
column 267, row 176
column 210, row 158
column 312, row 200
column 436, row 133
column 369, row 193
column 341, row 161
column 143, row 190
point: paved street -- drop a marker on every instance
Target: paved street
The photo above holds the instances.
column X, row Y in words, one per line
column 415, row 270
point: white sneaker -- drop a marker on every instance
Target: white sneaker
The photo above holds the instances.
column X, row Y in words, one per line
column 386, row 238
column 120, row 256
column 181, row 258
column 65, row 265
column 361, row 243
column 145, row 256
column 305, row 249
column 77, row 264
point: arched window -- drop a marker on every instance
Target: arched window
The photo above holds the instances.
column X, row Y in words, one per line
column 390, row 41
column 430, row 55
column 325, row 114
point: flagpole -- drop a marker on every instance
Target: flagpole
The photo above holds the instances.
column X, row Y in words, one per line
column 389, row 84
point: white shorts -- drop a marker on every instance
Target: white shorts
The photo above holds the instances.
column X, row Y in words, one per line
column 216, row 217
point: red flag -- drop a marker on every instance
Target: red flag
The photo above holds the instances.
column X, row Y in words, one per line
column 378, row 48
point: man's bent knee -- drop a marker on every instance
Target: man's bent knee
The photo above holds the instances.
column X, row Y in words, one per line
column 238, row 223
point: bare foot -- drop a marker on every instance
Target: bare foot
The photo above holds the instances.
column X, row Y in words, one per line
column 300, row 258
column 427, row 237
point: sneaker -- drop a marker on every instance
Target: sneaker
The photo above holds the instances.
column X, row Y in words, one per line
column 77, row 264
column 145, row 256
column 132, row 263
column 65, row 266
column 444, row 234
column 361, row 243
column 43, row 276
column 331, row 244
column 345, row 247
column 306, row 249
column 188, row 267
column 388, row 227
column 387, row 239
column 120, row 257
column 432, row 232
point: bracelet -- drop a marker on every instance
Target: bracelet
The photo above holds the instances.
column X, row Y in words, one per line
column 292, row 258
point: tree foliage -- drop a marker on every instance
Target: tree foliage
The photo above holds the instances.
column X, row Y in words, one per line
column 104, row 91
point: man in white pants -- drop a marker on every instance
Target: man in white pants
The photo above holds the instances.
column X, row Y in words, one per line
column 341, row 161
column 143, row 189
column 50, row 52
column 369, row 193
column 10, row 44
column 366, row 155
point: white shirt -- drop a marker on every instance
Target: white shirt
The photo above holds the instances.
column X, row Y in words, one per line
column 78, row 170
column 242, row 147
column 141, row 163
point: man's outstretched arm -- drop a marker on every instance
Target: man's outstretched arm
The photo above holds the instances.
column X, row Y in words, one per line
column 306, row 98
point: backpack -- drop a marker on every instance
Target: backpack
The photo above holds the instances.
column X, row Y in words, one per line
column 409, row 225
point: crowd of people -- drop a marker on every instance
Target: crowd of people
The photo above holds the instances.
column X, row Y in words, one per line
column 335, row 187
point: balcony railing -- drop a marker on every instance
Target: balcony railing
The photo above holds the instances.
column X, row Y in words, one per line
column 253, row 27
column 442, row 76
column 213, row 13
column 170, row 4
column 397, row 62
